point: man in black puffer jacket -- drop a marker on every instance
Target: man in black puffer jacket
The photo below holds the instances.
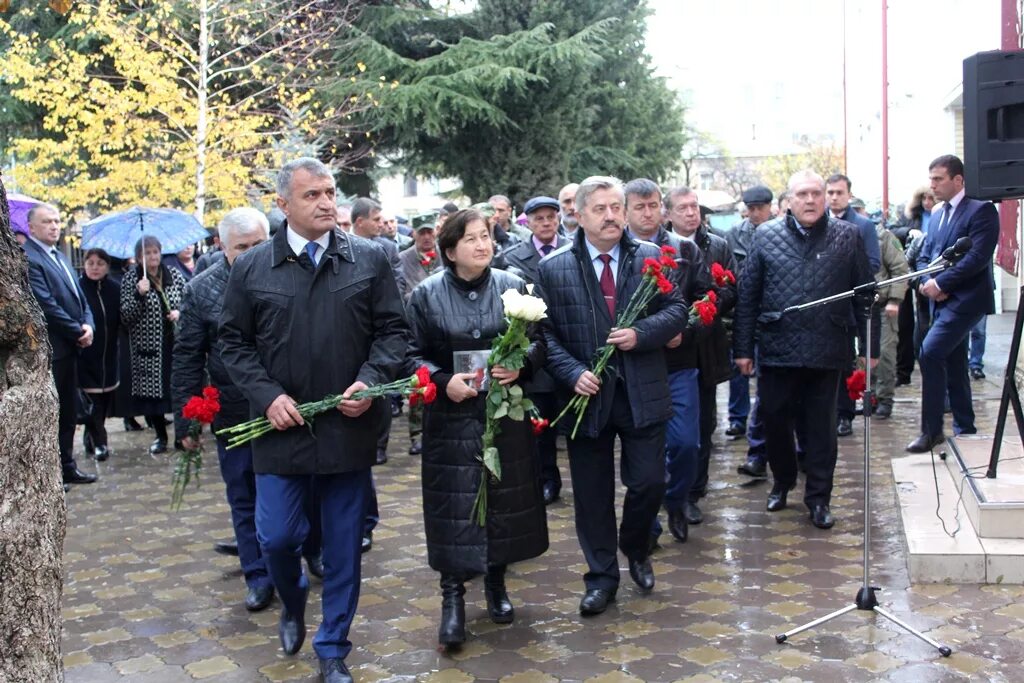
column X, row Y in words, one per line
column 803, row 256
column 585, row 284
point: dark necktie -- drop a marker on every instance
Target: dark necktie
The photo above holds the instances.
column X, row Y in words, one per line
column 546, row 249
column 947, row 212
column 311, row 252
column 608, row 284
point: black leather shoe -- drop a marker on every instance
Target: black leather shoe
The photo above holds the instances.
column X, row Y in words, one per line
column 258, row 598
column 678, row 526
column 735, row 430
column 777, row 498
column 595, row 601
column 754, row 467
column 367, row 542
column 693, row 513
column 642, row 573
column 977, row 373
column 101, row 453
column 416, row 448
column 292, row 631
column 845, row 427
column 73, row 475
column 821, row 517
column 334, row 671
column 925, row 443
column 551, row 492
column 883, row 411
column 316, row 566
column 224, row 548
column 158, row 447
column 382, row 456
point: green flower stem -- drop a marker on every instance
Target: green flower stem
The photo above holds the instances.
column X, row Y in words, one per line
column 186, row 467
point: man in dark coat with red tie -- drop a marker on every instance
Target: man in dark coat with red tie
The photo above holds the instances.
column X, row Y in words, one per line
column 585, row 285
column 69, row 325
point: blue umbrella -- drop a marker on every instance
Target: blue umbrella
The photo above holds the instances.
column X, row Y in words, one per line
column 116, row 233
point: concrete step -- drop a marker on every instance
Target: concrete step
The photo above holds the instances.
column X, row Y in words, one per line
column 995, row 506
column 944, row 547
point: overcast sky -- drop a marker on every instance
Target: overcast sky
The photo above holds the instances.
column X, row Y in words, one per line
column 756, row 72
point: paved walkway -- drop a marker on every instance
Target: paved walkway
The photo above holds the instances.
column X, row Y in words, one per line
column 146, row 600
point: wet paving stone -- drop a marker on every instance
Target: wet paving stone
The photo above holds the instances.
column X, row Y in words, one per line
column 146, row 599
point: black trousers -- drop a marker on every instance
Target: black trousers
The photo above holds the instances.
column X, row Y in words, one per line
column 642, row 469
column 65, row 377
column 806, row 396
column 708, row 422
column 95, row 424
column 547, row 449
column 905, row 348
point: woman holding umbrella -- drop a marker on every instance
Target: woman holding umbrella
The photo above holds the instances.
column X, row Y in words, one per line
column 97, row 364
column 150, row 299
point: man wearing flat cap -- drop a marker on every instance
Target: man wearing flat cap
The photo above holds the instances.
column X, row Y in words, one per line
column 758, row 200
column 421, row 261
column 542, row 219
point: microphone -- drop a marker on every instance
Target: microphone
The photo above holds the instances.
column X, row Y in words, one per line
column 954, row 253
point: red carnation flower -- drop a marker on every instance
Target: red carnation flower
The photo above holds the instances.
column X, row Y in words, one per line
column 712, row 297
column 539, row 425
column 722, row 276
column 669, row 262
column 431, row 255
column 422, row 378
column 415, row 399
column 429, row 393
column 856, row 383
column 664, row 285
column 211, row 393
column 668, row 250
column 707, row 313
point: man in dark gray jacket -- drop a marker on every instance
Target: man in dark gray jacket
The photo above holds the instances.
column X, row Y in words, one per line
column 310, row 313
column 805, row 255
column 586, row 285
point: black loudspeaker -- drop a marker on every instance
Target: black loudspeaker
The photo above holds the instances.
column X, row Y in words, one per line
column 994, row 125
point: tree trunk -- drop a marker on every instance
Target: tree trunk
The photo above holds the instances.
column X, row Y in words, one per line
column 32, row 511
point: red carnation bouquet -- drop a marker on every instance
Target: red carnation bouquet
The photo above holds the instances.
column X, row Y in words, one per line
column 653, row 282
column 201, row 410
column 722, row 276
column 856, row 384
column 418, row 388
column 428, row 258
column 705, row 309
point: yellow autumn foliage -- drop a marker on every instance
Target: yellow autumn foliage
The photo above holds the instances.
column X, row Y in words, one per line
column 122, row 119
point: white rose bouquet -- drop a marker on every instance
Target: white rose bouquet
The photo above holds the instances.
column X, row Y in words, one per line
column 507, row 351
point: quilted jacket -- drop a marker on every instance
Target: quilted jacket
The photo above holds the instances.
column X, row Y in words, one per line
column 578, row 324
column 787, row 267
column 447, row 314
column 197, row 350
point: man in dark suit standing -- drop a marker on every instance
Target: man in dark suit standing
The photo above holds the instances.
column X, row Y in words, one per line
column 542, row 216
column 68, row 323
column 960, row 296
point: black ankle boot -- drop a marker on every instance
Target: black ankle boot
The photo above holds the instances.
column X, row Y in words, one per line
column 498, row 604
column 452, row 632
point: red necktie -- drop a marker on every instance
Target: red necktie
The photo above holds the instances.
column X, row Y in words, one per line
column 608, row 284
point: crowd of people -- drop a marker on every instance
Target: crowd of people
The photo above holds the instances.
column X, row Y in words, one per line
column 262, row 317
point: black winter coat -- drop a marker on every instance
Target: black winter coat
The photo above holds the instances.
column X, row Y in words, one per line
column 287, row 328
column 151, row 334
column 197, row 350
column 787, row 267
column 578, row 324
column 98, row 363
column 447, row 314
column 713, row 347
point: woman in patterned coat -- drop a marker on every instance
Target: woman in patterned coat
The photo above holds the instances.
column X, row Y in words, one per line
column 150, row 299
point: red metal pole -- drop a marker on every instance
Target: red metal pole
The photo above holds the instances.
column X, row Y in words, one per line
column 1011, row 40
column 885, row 110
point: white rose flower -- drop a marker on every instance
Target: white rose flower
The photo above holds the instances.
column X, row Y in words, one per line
column 522, row 306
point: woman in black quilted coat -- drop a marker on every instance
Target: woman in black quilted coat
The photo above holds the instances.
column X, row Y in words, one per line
column 460, row 309
column 150, row 300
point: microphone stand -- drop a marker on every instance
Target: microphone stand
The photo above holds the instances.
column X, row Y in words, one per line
column 866, row 599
